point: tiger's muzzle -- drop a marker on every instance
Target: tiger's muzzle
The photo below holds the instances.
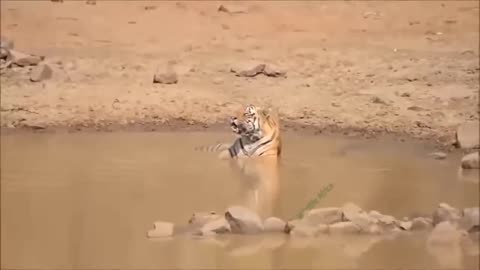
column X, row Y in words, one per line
column 244, row 128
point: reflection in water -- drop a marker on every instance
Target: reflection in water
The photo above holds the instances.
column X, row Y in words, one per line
column 259, row 183
column 86, row 201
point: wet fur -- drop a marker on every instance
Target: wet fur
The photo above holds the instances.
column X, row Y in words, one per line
column 258, row 135
column 254, row 155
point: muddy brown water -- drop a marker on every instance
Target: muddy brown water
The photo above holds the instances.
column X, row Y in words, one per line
column 85, row 201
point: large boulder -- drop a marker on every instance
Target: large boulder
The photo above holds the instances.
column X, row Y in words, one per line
column 243, row 220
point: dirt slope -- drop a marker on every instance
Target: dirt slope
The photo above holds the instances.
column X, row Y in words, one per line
column 398, row 67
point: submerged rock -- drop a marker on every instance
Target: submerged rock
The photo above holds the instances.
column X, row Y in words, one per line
column 438, row 155
column 243, row 220
column 161, row 229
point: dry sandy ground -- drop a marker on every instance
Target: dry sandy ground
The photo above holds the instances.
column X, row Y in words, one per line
column 365, row 67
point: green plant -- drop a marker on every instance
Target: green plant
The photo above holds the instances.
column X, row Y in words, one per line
column 312, row 203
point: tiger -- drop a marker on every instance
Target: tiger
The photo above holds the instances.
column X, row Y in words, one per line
column 258, row 134
column 255, row 153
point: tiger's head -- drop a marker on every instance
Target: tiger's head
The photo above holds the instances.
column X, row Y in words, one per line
column 246, row 122
column 254, row 123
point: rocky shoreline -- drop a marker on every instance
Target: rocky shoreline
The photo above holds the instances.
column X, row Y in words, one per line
column 446, row 226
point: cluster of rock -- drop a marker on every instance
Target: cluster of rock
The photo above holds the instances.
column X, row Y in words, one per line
column 170, row 75
column 446, row 224
column 468, row 139
column 11, row 58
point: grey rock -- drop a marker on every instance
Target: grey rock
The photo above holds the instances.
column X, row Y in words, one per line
column 445, row 233
column 217, row 226
column 248, row 69
column 5, row 64
column 471, row 161
column 385, row 222
column 323, row 216
column 291, row 225
column 351, row 209
column 355, row 214
column 273, row 224
column 22, row 59
column 345, row 227
column 271, row 70
column 374, row 229
column 470, row 218
column 468, row 135
column 161, row 229
column 4, row 53
column 415, row 108
column 232, row 9
column 323, row 228
column 445, row 212
column 217, row 80
column 199, row 219
column 420, row 224
column 242, row 220
column 378, row 100
column 438, row 155
column 406, row 225
column 378, row 217
column 303, row 229
column 41, row 73
column 168, row 77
